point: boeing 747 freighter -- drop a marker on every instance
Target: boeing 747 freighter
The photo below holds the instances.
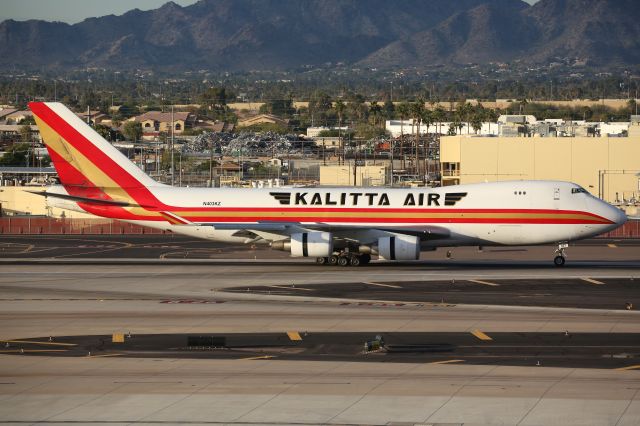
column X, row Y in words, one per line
column 344, row 226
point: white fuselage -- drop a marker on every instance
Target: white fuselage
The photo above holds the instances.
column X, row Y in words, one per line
column 502, row 213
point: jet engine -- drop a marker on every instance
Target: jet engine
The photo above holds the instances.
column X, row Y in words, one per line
column 399, row 247
column 312, row 244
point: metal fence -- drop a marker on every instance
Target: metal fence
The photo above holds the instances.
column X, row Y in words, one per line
column 53, row 226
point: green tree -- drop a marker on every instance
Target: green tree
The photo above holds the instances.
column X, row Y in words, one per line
column 439, row 115
column 214, row 98
column 279, row 107
column 104, row 131
column 319, row 106
column 25, row 133
column 340, row 108
column 403, row 110
column 388, row 109
column 132, row 130
column 375, row 111
column 16, row 155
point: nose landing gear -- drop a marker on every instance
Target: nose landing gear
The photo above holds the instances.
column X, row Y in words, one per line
column 559, row 260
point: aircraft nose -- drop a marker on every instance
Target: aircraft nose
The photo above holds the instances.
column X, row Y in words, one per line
column 619, row 216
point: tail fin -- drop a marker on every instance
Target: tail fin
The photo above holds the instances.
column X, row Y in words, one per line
column 88, row 165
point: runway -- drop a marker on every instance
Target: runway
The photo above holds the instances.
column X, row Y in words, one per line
column 580, row 332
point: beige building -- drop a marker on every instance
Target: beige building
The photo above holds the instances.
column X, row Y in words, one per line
column 154, row 122
column 20, row 200
column 606, row 167
column 368, row 175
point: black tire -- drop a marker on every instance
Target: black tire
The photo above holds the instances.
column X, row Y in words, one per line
column 559, row 261
column 333, row 260
column 322, row 260
column 365, row 258
column 355, row 261
column 343, row 261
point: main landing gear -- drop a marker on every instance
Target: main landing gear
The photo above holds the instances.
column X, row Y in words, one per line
column 344, row 259
column 559, row 260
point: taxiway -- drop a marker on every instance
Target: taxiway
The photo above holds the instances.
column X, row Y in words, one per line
column 589, row 373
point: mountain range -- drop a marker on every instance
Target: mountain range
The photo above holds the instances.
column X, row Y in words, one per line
column 243, row 35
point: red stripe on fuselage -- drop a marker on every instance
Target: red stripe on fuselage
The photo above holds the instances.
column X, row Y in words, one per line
column 416, row 220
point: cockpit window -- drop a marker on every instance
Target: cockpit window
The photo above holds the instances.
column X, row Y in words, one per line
column 578, row 191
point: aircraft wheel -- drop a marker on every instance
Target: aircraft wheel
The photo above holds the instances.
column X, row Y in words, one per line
column 333, row 260
column 559, row 261
column 365, row 258
column 355, row 261
column 322, row 260
column 343, row 261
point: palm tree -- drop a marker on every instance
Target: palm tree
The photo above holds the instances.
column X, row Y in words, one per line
column 438, row 116
column 491, row 115
column 417, row 110
column 403, row 111
column 427, row 120
column 523, row 103
column 375, row 110
column 340, row 107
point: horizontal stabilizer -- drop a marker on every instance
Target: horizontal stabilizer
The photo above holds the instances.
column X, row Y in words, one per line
column 84, row 199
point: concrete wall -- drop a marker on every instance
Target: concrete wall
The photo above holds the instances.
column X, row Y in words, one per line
column 581, row 160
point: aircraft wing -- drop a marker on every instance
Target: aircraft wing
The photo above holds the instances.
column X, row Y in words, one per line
column 275, row 231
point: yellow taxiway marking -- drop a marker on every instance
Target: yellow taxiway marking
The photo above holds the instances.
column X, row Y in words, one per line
column 381, row 285
column 294, row 335
column 631, row 367
column 20, row 351
column 591, row 281
column 102, row 356
column 448, row 361
column 612, row 246
column 31, row 342
column 282, row 287
column 484, row 283
column 480, row 335
column 258, row 357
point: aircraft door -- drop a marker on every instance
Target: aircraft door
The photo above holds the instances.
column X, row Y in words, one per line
column 556, row 198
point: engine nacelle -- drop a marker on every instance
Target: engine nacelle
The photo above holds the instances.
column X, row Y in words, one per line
column 399, row 247
column 312, row 244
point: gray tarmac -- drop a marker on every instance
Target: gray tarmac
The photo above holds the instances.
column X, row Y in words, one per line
column 582, row 334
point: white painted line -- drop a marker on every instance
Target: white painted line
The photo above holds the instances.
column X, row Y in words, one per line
column 449, row 361
column 484, row 283
column 592, row 281
column 380, row 284
column 282, row 287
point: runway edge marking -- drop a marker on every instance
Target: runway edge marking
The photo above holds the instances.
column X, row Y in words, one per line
column 448, row 361
column 380, row 284
column 484, row 283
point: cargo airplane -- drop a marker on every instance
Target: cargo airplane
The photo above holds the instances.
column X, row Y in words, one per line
column 343, row 226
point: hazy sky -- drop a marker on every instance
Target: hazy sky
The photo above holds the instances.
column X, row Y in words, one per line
column 73, row 11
